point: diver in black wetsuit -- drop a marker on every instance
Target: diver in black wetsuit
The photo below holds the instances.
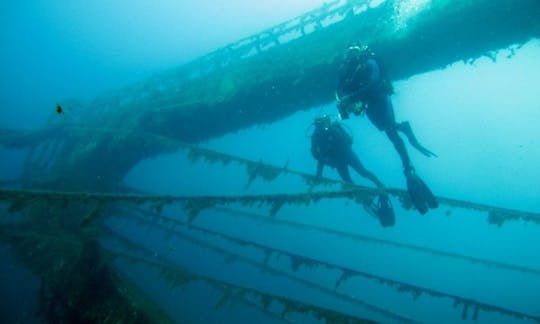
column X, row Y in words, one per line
column 331, row 145
column 363, row 86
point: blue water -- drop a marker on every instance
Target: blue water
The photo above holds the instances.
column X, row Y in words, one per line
column 481, row 119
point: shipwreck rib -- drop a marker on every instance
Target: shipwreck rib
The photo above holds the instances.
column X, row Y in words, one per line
column 308, row 227
column 298, row 260
column 183, row 276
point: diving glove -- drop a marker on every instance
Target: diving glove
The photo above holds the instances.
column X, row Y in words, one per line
column 421, row 197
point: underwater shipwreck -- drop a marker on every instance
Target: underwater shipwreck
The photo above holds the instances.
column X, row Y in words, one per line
column 56, row 215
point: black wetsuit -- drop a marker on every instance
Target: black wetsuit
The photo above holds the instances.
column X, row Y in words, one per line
column 332, row 146
column 362, row 80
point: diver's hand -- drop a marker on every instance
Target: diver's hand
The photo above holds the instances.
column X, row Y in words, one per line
column 345, row 101
column 342, row 109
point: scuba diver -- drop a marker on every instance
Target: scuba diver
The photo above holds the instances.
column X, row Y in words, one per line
column 331, row 145
column 364, row 87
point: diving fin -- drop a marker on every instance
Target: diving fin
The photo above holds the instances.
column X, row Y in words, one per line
column 381, row 208
column 406, row 129
column 421, row 196
column 387, row 218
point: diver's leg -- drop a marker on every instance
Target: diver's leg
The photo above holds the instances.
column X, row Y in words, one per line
column 355, row 163
column 421, row 196
column 343, row 171
column 381, row 113
column 388, row 121
column 380, row 206
column 392, row 134
column 406, row 129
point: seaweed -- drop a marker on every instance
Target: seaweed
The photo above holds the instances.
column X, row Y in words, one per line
column 345, row 275
column 97, row 210
column 497, row 218
column 260, row 170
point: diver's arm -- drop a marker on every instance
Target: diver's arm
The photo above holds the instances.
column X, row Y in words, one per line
column 340, row 93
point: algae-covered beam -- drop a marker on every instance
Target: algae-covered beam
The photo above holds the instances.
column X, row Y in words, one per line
column 162, row 223
column 278, row 273
column 361, row 239
column 193, row 205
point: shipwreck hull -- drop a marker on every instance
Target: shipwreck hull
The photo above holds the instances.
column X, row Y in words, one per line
column 224, row 92
column 302, row 74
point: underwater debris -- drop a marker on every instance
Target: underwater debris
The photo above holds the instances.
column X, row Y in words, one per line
column 59, row 109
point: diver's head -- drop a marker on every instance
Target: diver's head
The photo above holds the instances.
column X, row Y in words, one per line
column 322, row 122
column 355, row 52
